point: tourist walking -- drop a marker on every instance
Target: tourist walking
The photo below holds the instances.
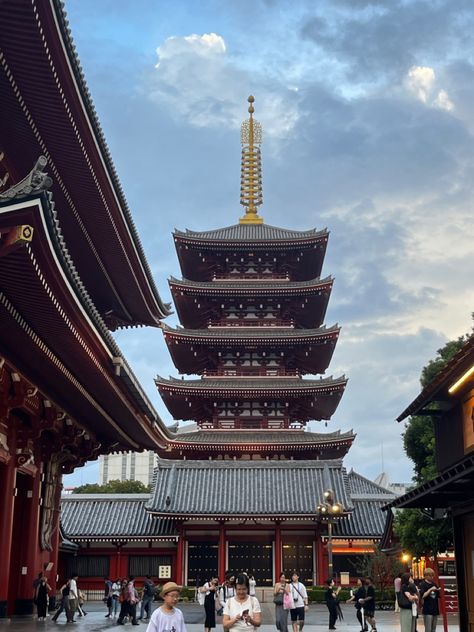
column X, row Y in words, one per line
column 368, row 603
column 130, row 601
column 116, row 589
column 41, row 597
column 252, row 585
column 227, row 590
column 357, row 598
column 300, row 602
column 408, row 602
column 242, row 613
column 108, row 596
column 73, row 595
column 281, row 589
column 210, row 604
column 147, row 598
column 330, row 597
column 167, row 616
column 429, row 596
column 397, row 582
column 64, row 604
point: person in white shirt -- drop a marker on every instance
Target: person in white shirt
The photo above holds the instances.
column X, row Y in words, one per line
column 252, row 585
column 167, row 618
column 300, row 600
column 73, row 595
column 242, row 613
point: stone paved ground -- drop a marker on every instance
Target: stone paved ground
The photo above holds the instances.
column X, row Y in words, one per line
column 95, row 621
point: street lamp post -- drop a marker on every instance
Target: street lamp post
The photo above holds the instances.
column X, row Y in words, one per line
column 327, row 511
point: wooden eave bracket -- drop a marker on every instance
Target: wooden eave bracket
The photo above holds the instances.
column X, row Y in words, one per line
column 15, row 237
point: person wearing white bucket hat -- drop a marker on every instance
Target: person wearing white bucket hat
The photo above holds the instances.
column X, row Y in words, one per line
column 168, row 618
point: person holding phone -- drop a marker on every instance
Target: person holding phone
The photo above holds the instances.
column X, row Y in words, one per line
column 281, row 588
column 429, row 594
column 242, row 613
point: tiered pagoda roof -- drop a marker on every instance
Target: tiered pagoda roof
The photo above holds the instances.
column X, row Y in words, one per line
column 195, row 351
column 252, row 304
column 304, row 399
column 193, row 248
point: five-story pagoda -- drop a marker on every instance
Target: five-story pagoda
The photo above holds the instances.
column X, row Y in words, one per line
column 243, row 484
column 252, row 304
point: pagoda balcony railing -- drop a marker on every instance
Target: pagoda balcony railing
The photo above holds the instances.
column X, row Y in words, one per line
column 250, row 276
column 254, row 322
column 242, row 424
column 251, row 372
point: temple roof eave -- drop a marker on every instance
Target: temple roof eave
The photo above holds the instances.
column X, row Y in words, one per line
column 255, row 335
column 257, row 235
column 242, row 287
column 252, row 385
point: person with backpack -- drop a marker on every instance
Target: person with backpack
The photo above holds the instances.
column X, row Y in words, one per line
column 147, row 598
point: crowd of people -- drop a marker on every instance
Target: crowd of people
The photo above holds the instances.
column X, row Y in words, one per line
column 235, row 600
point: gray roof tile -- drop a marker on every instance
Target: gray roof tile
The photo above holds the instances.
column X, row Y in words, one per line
column 262, row 436
column 103, row 516
column 251, row 333
column 243, row 284
column 246, row 488
column 252, row 232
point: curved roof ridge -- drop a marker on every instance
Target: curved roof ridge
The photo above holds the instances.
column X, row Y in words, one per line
column 245, row 284
column 251, row 232
column 251, row 332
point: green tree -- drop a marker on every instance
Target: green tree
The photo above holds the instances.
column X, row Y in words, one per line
column 114, row 487
column 418, row 533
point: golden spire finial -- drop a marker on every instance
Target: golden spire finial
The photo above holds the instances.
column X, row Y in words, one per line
column 251, row 168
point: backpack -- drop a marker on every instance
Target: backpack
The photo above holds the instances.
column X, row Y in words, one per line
column 66, row 590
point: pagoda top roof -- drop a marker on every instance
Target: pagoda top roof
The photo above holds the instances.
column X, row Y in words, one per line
column 253, row 384
column 242, row 285
column 242, row 233
column 250, row 333
column 280, row 437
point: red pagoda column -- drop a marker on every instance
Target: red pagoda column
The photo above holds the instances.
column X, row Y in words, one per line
column 221, row 558
column 7, row 499
column 278, row 562
column 322, row 560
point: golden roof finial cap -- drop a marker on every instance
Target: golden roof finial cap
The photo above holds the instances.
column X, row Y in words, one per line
column 251, row 99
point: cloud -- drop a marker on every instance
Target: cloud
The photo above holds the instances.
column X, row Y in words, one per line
column 376, row 42
column 199, row 82
column 421, row 82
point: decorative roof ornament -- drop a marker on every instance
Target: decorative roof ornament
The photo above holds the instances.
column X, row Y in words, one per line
column 35, row 182
column 251, row 168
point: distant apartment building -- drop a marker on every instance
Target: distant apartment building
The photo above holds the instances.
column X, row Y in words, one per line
column 134, row 466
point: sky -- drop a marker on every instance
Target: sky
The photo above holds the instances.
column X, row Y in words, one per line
column 366, row 108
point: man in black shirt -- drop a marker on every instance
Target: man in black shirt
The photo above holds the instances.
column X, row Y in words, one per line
column 429, row 593
column 369, row 603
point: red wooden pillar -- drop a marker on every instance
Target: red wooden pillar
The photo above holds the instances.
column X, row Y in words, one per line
column 180, row 557
column 278, row 562
column 31, row 555
column 7, row 500
column 222, row 556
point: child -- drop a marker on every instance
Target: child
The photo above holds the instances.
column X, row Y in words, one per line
column 167, row 617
